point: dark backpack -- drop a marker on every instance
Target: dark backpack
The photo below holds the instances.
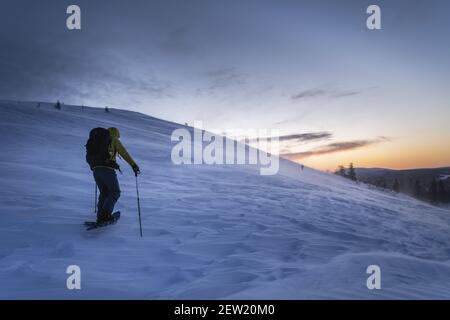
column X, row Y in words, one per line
column 97, row 153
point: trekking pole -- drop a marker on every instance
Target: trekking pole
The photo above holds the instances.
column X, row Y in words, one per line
column 95, row 199
column 139, row 205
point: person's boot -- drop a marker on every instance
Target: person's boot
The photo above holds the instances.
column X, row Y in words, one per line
column 104, row 216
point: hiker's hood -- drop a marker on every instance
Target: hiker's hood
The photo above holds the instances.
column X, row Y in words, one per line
column 114, row 132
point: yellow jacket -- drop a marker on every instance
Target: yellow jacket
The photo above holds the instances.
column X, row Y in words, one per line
column 117, row 147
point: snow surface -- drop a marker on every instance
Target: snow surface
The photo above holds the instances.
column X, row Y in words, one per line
column 216, row 232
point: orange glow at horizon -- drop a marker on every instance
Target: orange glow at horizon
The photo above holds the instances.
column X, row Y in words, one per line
column 393, row 155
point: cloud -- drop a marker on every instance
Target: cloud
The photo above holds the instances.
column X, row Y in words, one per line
column 345, row 94
column 225, row 77
column 325, row 91
column 91, row 77
column 336, row 147
column 177, row 41
column 300, row 137
column 310, row 93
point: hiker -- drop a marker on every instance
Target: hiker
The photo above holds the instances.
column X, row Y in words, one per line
column 101, row 150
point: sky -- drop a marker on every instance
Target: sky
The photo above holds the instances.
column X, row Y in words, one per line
column 334, row 91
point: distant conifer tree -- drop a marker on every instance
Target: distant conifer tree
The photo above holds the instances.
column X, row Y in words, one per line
column 417, row 189
column 396, row 186
column 341, row 171
column 433, row 192
column 351, row 172
column 442, row 192
column 58, row 105
column 410, row 186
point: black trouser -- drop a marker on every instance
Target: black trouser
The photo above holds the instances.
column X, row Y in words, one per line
column 108, row 185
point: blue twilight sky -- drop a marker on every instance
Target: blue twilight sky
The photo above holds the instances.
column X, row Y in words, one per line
column 310, row 69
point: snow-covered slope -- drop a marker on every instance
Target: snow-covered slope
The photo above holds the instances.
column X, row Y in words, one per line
column 209, row 231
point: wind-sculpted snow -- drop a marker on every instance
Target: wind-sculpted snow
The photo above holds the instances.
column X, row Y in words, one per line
column 209, row 231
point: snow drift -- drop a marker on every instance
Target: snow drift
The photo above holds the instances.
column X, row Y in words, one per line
column 217, row 232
